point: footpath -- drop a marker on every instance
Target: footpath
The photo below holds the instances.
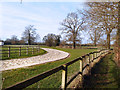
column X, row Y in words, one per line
column 105, row 74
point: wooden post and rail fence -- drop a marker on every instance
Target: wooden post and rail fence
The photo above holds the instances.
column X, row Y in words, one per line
column 86, row 62
column 8, row 51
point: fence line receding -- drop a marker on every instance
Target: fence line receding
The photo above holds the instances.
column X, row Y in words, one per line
column 86, row 62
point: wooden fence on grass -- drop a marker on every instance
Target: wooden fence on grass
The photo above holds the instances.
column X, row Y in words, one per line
column 85, row 61
column 18, row 50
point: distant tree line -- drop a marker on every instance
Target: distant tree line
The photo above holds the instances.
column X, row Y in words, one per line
column 52, row 40
column 31, row 37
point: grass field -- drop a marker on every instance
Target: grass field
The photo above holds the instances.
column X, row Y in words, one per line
column 54, row 81
column 14, row 52
column 105, row 74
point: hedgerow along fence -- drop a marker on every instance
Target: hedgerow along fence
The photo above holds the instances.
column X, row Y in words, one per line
column 86, row 62
column 18, row 51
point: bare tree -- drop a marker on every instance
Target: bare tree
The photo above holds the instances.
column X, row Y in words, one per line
column 102, row 42
column 117, row 46
column 71, row 26
column 29, row 35
column 103, row 15
column 95, row 34
column 118, row 30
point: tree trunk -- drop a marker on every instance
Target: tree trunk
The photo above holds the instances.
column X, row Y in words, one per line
column 108, row 40
column 117, row 48
column 118, row 31
column 118, row 37
column 29, row 41
column 95, row 43
column 74, row 44
column 95, row 39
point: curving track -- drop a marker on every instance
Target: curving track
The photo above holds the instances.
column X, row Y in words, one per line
column 52, row 55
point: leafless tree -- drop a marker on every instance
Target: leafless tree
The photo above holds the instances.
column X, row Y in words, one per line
column 117, row 46
column 103, row 15
column 95, row 33
column 102, row 42
column 71, row 27
column 30, row 35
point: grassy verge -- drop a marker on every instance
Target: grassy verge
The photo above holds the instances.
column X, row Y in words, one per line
column 53, row 81
column 14, row 52
column 105, row 74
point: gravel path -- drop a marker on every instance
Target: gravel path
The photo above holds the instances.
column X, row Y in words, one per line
column 52, row 55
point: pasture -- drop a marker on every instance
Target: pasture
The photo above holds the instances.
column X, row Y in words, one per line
column 54, row 81
column 18, row 51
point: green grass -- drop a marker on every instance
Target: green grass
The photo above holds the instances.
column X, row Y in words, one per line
column 53, row 81
column 105, row 74
column 14, row 52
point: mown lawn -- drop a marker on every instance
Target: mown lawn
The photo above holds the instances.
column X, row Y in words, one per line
column 105, row 74
column 54, row 81
column 14, row 52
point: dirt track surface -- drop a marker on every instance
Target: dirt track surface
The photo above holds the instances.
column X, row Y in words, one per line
column 52, row 55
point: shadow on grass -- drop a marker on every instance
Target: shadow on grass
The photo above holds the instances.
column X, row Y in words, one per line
column 116, row 73
column 105, row 74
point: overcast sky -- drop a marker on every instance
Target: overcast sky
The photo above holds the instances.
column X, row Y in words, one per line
column 45, row 16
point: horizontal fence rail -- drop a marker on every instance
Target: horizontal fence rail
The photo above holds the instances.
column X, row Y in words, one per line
column 13, row 51
column 86, row 62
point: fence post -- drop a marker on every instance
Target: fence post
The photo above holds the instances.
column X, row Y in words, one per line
column 93, row 56
column 97, row 54
column 83, row 64
column 106, row 51
column 36, row 50
column 88, row 67
column 96, row 57
column 9, row 51
column 39, row 49
column 19, row 51
column 102, row 52
column 64, row 77
column 26, row 50
column 92, row 59
column 89, row 63
column 32, row 50
column 81, row 67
